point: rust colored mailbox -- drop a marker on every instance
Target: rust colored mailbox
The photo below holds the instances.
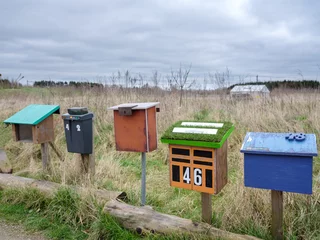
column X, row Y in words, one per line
column 135, row 126
column 135, row 130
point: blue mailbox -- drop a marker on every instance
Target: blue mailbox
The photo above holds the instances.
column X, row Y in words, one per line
column 279, row 161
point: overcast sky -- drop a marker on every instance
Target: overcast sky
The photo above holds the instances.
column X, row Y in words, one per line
column 77, row 39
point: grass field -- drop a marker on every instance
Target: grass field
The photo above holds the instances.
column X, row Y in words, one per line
column 236, row 208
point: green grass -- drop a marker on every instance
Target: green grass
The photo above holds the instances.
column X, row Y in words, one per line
column 67, row 216
column 168, row 134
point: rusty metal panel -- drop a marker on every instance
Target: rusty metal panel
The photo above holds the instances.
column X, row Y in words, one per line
column 130, row 131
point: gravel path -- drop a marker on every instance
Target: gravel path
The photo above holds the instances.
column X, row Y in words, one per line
column 10, row 231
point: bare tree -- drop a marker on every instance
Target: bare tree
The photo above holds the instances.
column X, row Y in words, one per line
column 155, row 78
column 119, row 78
column 180, row 78
column 220, row 79
column 141, row 79
column 113, row 79
column 127, row 78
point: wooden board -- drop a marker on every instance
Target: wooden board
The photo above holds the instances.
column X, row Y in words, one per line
column 221, row 167
column 277, row 172
column 277, row 214
column 44, row 131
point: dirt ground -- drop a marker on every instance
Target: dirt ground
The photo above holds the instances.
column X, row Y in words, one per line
column 10, row 231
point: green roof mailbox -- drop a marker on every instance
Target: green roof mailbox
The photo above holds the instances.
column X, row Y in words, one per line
column 34, row 123
column 198, row 158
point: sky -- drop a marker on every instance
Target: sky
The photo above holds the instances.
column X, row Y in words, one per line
column 81, row 39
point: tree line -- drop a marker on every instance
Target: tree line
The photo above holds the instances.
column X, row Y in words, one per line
column 45, row 83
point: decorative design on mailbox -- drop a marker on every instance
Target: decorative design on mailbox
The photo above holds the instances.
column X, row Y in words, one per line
column 34, row 123
column 198, row 155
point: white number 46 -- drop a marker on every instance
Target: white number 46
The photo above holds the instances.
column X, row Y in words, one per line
column 197, row 174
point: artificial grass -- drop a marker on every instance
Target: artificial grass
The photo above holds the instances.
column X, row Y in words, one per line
column 198, row 140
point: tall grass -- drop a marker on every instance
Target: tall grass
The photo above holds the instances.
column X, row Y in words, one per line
column 236, row 208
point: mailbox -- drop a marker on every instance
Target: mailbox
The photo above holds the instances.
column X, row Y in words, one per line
column 34, row 123
column 78, row 130
column 198, row 155
column 279, row 161
column 135, row 126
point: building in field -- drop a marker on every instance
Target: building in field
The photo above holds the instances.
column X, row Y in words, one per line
column 249, row 92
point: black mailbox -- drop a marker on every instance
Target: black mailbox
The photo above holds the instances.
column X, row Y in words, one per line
column 78, row 130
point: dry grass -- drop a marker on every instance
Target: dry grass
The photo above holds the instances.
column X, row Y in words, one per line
column 236, row 208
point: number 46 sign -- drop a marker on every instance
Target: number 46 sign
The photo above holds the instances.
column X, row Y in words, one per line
column 195, row 168
column 196, row 176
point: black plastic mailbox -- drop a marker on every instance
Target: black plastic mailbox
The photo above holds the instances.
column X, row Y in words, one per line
column 78, row 130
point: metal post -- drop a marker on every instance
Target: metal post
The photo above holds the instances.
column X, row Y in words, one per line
column 143, row 178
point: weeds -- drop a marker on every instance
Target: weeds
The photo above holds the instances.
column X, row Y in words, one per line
column 236, row 208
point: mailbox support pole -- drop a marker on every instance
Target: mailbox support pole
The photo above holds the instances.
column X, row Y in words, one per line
column 277, row 214
column 143, row 178
column 206, row 207
column 45, row 156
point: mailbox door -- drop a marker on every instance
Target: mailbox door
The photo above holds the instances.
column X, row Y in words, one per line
column 203, row 169
column 180, row 167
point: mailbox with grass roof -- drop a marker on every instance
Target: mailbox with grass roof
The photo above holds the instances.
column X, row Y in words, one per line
column 279, row 162
column 34, row 124
column 198, row 158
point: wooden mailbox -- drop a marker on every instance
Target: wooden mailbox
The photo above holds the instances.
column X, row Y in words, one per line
column 34, row 123
column 198, row 155
column 279, row 162
column 198, row 158
column 273, row 161
column 135, row 129
column 135, row 126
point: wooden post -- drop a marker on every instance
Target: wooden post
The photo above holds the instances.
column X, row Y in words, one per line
column 277, row 214
column 87, row 164
column 206, row 204
column 45, row 157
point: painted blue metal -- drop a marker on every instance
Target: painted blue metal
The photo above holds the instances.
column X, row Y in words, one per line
column 277, row 144
column 282, row 173
column 279, row 161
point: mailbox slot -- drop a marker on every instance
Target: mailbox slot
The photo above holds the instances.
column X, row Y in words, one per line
column 125, row 111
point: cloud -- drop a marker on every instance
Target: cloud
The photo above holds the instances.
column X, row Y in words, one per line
column 70, row 40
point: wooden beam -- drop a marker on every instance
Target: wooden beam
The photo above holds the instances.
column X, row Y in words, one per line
column 45, row 157
column 277, row 214
column 206, row 205
column 144, row 220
